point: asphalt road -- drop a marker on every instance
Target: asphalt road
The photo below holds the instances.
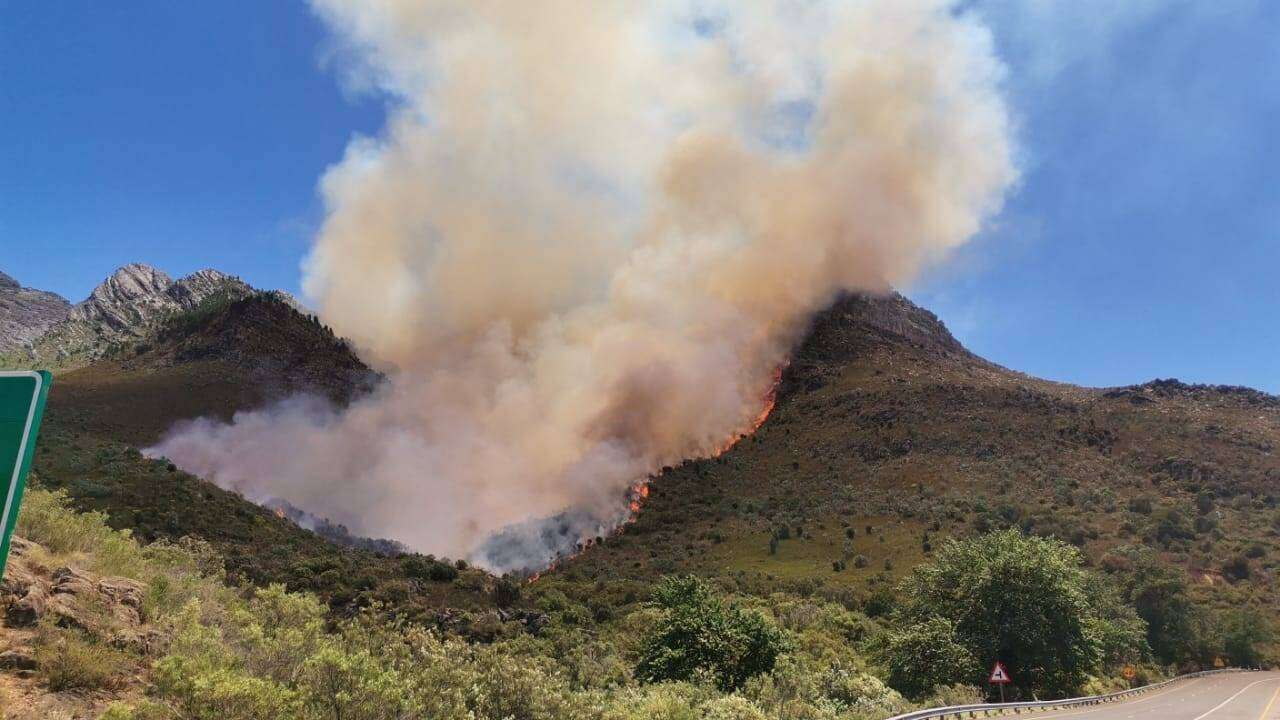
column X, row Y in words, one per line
column 1231, row 696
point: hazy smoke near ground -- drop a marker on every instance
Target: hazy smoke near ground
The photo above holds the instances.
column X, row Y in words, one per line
column 589, row 234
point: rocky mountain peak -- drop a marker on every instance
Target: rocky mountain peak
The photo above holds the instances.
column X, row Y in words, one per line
column 125, row 307
column 8, row 283
column 196, row 287
column 857, row 322
column 136, row 294
column 856, row 326
column 131, row 296
column 208, row 275
column 137, row 278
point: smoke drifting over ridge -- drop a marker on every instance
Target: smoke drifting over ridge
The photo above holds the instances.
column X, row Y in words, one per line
column 589, row 235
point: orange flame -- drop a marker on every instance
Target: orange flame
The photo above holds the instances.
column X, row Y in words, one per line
column 770, row 400
column 639, row 494
column 640, row 491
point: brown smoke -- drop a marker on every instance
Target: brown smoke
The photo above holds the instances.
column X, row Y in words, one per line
column 590, row 233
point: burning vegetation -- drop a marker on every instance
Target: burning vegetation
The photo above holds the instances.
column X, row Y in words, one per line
column 604, row 281
column 639, row 492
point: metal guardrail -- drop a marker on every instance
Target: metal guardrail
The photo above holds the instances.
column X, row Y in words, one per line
column 972, row 711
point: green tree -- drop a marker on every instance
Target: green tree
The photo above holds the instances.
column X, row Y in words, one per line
column 1022, row 600
column 1158, row 593
column 1244, row 632
column 699, row 636
column 927, row 655
column 1122, row 632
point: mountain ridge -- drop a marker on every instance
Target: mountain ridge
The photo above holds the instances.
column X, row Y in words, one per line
column 883, row 421
column 889, row 437
column 123, row 308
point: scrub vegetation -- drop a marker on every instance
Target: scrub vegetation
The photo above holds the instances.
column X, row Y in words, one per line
column 683, row 647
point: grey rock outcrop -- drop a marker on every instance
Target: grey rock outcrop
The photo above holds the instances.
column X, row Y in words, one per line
column 131, row 296
column 199, row 286
column 25, row 314
column 107, row 607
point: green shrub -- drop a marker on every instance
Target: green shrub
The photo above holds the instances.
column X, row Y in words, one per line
column 880, row 602
column 670, row 701
column 1244, row 634
column 1237, row 568
column 67, row 660
column 429, row 569
column 857, row 692
column 224, row 693
column 732, row 707
column 697, row 636
column 926, row 655
column 47, row 519
column 529, row 689
column 802, row 687
column 1143, row 505
column 949, row 695
column 1170, row 525
column 1159, row 594
column 1204, row 502
column 144, row 710
column 354, row 684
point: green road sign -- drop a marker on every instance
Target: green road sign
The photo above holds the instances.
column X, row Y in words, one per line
column 22, row 396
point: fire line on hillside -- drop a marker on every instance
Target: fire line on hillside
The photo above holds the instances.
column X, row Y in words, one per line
column 639, row 493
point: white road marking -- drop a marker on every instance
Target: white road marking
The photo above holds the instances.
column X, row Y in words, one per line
column 1222, row 704
column 1162, row 693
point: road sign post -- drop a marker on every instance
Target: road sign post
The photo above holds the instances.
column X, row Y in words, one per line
column 22, row 398
column 1000, row 677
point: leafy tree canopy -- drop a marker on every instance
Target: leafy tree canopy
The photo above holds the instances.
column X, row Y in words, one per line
column 1176, row 628
column 698, row 636
column 1024, row 601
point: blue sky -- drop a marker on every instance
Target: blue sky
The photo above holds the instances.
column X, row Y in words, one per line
column 1144, row 240
column 183, row 134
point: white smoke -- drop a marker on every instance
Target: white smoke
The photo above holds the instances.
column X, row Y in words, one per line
column 590, row 233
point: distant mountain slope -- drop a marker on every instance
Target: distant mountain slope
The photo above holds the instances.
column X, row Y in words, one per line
column 123, row 309
column 25, row 314
column 220, row 357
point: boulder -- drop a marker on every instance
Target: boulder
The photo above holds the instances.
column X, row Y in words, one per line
column 110, row 607
column 18, row 658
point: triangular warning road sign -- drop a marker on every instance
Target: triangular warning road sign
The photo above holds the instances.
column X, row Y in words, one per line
column 999, row 676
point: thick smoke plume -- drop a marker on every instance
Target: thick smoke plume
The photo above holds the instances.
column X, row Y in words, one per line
column 589, row 235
